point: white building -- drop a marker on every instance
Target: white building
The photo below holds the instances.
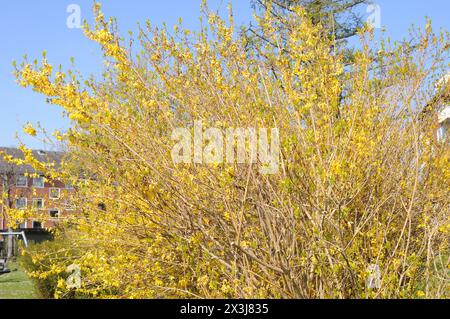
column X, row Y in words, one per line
column 444, row 122
column 444, row 114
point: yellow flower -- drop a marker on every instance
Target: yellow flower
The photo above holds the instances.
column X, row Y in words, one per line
column 30, row 130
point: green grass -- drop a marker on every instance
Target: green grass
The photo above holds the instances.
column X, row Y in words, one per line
column 16, row 284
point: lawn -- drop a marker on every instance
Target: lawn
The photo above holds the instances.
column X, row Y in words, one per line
column 16, row 285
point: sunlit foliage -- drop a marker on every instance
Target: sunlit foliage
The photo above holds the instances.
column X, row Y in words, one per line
column 362, row 179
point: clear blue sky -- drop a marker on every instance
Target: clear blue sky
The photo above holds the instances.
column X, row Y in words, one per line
column 29, row 27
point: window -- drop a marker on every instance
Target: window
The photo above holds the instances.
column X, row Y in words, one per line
column 38, row 182
column 55, row 193
column 54, row 213
column 441, row 133
column 69, row 185
column 68, row 205
column 21, row 203
column 37, row 225
column 38, row 203
column 21, row 181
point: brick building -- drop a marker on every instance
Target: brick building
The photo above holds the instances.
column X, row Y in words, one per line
column 24, row 188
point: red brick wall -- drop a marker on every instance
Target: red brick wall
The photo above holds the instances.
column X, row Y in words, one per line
column 30, row 192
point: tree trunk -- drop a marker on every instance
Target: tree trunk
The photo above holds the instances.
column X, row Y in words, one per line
column 9, row 245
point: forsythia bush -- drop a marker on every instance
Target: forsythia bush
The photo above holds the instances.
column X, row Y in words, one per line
column 48, row 276
column 362, row 182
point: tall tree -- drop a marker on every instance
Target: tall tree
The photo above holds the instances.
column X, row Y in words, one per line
column 340, row 17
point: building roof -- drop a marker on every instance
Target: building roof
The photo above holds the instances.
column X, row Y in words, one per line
column 42, row 156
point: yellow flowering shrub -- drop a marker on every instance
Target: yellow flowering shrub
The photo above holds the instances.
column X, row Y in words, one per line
column 362, row 180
